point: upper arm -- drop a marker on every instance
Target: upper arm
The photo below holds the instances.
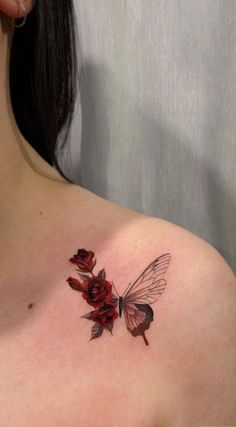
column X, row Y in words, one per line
column 188, row 370
column 197, row 328
column 208, row 355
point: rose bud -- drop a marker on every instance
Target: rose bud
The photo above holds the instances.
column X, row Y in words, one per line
column 84, row 260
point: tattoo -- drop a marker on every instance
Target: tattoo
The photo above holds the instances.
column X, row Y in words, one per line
column 134, row 302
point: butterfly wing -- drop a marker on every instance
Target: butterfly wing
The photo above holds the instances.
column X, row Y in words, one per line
column 144, row 291
column 150, row 284
column 138, row 318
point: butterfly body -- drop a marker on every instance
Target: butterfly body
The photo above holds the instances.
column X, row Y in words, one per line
column 121, row 303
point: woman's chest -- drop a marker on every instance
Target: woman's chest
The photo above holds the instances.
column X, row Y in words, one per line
column 49, row 381
column 58, row 397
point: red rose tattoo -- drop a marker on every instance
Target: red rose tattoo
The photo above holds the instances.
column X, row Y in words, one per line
column 99, row 292
column 96, row 290
column 105, row 315
column 84, row 260
column 134, row 302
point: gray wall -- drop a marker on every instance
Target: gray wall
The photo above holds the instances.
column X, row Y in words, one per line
column 156, row 120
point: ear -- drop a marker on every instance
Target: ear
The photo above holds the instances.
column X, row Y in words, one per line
column 13, row 9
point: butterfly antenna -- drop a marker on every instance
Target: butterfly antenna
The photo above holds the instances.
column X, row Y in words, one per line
column 126, row 290
column 115, row 289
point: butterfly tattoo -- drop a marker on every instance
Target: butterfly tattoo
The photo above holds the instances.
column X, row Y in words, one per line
column 134, row 302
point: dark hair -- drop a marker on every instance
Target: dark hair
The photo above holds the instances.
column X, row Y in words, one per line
column 43, row 76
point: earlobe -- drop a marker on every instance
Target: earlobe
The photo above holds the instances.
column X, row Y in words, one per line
column 16, row 8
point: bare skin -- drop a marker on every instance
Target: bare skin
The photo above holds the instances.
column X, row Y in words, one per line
column 51, row 375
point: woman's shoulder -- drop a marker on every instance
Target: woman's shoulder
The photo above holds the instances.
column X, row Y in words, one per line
column 193, row 337
column 191, row 328
column 144, row 235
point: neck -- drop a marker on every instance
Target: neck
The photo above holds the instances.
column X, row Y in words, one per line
column 21, row 168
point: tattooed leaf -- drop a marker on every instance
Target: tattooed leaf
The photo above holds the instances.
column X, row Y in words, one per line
column 87, row 316
column 102, row 275
column 84, row 276
column 110, row 327
column 75, row 284
column 96, row 331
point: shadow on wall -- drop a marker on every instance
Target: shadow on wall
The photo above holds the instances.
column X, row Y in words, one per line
column 150, row 166
column 95, row 134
